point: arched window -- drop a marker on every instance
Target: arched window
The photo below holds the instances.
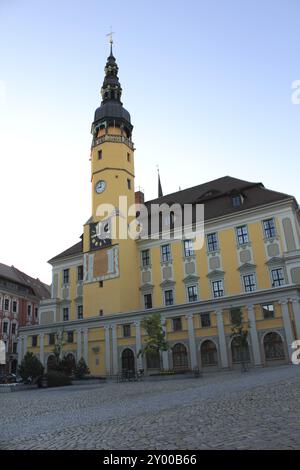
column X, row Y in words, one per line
column 239, row 352
column 128, row 360
column 273, row 346
column 180, row 357
column 209, row 355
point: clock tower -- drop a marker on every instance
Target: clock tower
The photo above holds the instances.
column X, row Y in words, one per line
column 110, row 261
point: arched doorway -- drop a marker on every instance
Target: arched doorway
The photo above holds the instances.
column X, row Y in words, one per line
column 128, row 360
column 209, row 354
column 180, row 356
column 51, row 363
column 239, row 352
column 273, row 347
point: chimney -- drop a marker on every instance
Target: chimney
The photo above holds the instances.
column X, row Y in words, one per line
column 139, row 197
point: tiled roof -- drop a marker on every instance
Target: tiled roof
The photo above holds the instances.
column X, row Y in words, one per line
column 40, row 290
column 216, row 197
column 72, row 251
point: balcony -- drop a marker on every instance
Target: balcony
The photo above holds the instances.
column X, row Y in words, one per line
column 113, row 138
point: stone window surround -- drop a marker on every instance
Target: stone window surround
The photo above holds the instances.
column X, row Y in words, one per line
column 212, row 281
column 248, row 273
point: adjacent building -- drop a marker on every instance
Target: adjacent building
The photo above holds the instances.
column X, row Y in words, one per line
column 103, row 288
column 20, row 296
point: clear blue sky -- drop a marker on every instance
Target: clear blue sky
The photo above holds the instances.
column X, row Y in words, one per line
column 207, row 83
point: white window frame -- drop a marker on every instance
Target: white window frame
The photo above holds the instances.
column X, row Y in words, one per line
column 212, row 288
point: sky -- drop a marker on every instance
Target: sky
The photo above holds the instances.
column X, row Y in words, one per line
column 208, row 84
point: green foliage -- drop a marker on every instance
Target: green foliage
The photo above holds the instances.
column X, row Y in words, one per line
column 156, row 338
column 30, row 367
column 240, row 330
column 81, row 369
column 57, row 379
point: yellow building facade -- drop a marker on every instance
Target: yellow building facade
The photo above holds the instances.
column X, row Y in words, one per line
column 106, row 284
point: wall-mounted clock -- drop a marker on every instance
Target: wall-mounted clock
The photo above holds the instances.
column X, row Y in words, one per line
column 100, row 235
column 100, row 186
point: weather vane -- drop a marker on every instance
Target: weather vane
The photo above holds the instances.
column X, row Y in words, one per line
column 110, row 36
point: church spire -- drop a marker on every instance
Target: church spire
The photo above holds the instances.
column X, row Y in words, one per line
column 111, row 89
column 160, row 191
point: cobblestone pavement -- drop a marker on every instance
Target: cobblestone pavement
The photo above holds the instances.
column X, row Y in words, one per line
column 230, row 410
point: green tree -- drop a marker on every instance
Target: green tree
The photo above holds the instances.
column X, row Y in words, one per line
column 30, row 366
column 156, row 341
column 240, row 332
column 81, row 369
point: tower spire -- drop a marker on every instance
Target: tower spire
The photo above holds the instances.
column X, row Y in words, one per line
column 160, row 191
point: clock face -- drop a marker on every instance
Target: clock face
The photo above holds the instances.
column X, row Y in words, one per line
column 100, row 235
column 100, row 186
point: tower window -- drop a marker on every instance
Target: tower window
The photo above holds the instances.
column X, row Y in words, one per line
column 79, row 273
column 128, row 157
column 80, row 312
column 129, row 184
column 99, row 154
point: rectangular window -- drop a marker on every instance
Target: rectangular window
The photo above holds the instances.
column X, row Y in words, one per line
column 235, row 315
column 36, row 312
column 249, row 282
column 80, row 312
column 5, row 327
column 126, row 331
column 205, row 320
column 128, row 157
column 129, row 184
column 79, row 273
column 51, row 339
column 66, row 314
column 192, row 293
column 148, row 301
column 242, row 234
column 34, row 341
column 268, row 311
column 99, row 154
column 14, row 306
column 66, row 276
column 165, row 253
column 177, row 324
column 277, row 276
column 169, row 298
column 218, row 289
column 6, row 304
column 13, row 329
column 212, row 242
column 70, row 337
column 188, row 248
column 15, row 348
column 145, row 258
column 29, row 310
column 269, row 228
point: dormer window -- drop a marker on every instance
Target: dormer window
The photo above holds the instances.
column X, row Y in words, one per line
column 237, row 200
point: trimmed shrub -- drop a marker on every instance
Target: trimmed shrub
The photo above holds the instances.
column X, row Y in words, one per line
column 30, row 366
column 81, row 369
column 57, row 379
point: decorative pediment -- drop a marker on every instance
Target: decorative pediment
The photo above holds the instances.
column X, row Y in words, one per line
column 246, row 267
column 167, row 283
column 216, row 273
column 191, row 278
column 147, row 287
column 275, row 261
